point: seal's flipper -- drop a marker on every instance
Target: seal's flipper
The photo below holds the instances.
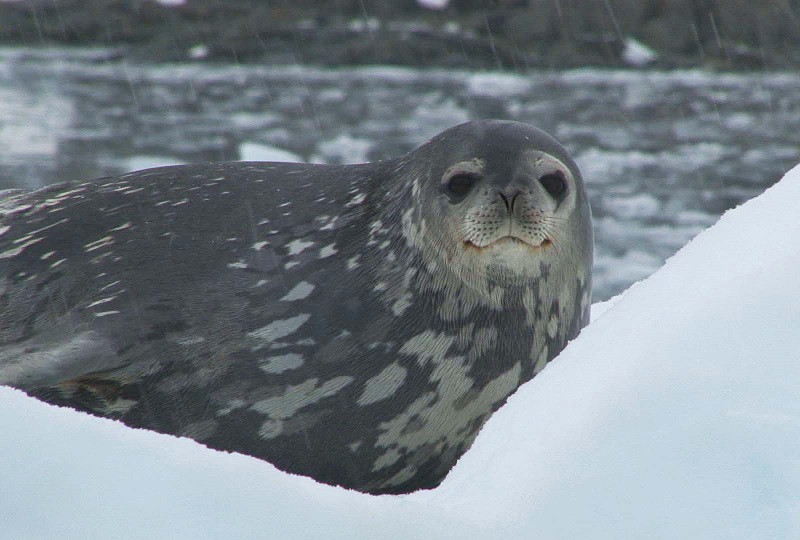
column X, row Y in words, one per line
column 41, row 362
column 104, row 393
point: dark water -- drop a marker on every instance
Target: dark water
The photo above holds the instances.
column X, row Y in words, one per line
column 664, row 154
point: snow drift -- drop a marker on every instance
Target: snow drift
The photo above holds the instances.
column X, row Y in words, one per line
column 675, row 414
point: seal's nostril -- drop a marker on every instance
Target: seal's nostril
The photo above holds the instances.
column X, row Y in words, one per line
column 509, row 198
column 505, row 201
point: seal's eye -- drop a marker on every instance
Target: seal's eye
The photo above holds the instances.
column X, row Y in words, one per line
column 460, row 184
column 554, row 183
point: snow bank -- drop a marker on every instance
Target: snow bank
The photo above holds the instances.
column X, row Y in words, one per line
column 675, row 414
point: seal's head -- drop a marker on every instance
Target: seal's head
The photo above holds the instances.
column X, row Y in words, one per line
column 507, row 197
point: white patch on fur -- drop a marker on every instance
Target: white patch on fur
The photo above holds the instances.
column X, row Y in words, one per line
column 446, row 423
column 552, row 325
column 428, row 346
column 352, row 262
column 37, row 231
column 384, row 384
column 356, row 200
column 190, row 340
column 280, row 328
column 402, row 304
column 327, row 251
column 97, row 244
column 19, row 249
column 102, row 301
column 106, row 313
column 300, row 291
column 330, row 225
column 284, row 406
column 389, row 458
column 297, row 246
column 109, row 286
column 281, row 363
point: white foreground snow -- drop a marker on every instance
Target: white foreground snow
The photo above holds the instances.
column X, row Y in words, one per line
column 675, row 414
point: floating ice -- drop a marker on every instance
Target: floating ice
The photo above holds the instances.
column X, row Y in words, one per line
column 433, row 4
column 250, row 151
column 638, row 54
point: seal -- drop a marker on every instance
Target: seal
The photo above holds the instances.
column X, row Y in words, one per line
column 357, row 324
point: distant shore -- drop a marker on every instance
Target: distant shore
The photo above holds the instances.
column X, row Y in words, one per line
column 511, row 35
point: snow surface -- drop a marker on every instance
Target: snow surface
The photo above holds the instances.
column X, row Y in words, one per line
column 675, row 414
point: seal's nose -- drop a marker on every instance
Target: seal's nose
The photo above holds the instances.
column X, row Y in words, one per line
column 509, row 197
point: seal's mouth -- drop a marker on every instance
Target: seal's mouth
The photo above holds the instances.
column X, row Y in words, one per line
column 509, row 240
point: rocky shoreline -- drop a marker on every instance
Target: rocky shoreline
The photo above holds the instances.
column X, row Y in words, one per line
column 508, row 34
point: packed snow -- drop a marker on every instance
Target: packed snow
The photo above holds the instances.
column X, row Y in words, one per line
column 675, row 414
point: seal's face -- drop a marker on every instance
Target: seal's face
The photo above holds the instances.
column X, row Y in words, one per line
column 506, row 218
column 513, row 201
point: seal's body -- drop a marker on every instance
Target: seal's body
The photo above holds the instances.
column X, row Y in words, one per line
column 357, row 324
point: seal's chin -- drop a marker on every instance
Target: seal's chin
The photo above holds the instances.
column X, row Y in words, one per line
column 512, row 242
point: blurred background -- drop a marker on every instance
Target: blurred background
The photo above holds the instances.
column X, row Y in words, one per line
column 675, row 110
column 748, row 34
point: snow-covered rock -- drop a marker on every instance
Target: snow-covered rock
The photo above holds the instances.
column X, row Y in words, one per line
column 675, row 414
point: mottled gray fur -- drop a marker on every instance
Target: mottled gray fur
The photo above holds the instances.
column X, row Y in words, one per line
column 357, row 324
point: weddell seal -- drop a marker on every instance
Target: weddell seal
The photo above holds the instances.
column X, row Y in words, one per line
column 357, row 324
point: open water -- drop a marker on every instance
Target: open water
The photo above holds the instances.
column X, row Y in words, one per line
column 664, row 154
